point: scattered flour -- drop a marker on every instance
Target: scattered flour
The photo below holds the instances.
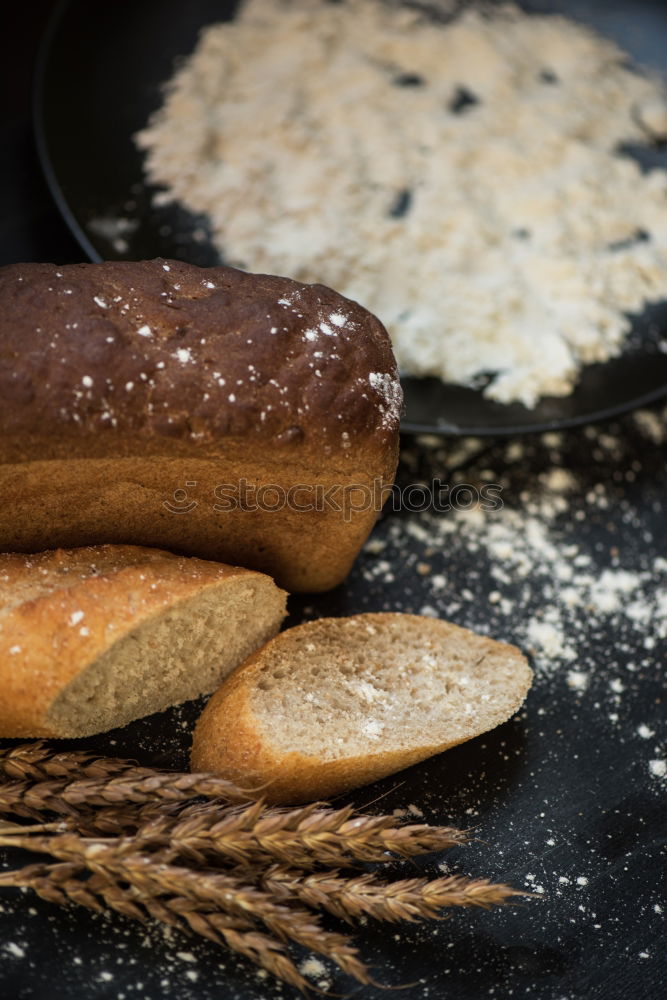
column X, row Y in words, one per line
column 658, row 768
column 523, row 572
column 461, row 178
column 549, row 639
column 316, row 970
column 651, row 425
column 577, row 680
column 534, row 548
column 115, row 230
column 15, row 950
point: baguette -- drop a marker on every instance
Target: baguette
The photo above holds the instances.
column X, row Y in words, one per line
column 340, row 702
column 240, row 417
column 95, row 637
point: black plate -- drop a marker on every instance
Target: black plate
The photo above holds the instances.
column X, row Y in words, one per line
column 100, row 77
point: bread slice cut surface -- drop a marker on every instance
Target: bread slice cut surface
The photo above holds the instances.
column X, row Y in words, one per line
column 92, row 638
column 335, row 703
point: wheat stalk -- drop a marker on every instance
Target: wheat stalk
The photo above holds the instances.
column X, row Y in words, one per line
column 43, row 780
column 230, row 868
column 38, row 762
column 17, row 799
column 115, row 797
column 137, row 786
column 366, row 895
column 304, row 837
column 227, row 893
column 61, row 883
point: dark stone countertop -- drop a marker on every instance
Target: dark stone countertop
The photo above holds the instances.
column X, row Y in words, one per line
column 567, row 799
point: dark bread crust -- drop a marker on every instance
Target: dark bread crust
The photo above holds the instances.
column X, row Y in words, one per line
column 121, row 382
column 206, row 368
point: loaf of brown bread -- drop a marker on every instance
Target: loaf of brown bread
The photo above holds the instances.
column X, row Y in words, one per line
column 233, row 416
column 92, row 638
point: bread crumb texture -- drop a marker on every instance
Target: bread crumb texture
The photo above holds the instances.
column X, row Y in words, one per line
column 340, row 702
column 466, row 177
column 372, row 683
column 93, row 638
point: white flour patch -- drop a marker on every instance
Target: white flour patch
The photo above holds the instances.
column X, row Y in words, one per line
column 462, row 180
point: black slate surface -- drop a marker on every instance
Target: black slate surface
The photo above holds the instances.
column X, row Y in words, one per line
column 562, row 797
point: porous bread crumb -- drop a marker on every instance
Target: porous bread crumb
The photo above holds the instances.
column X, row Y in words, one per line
column 174, row 626
column 372, row 728
column 429, row 677
column 464, row 180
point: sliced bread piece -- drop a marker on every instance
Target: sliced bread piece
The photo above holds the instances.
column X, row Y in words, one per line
column 340, row 702
column 94, row 637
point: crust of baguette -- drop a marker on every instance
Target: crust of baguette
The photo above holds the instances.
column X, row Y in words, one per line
column 229, row 740
column 62, row 610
